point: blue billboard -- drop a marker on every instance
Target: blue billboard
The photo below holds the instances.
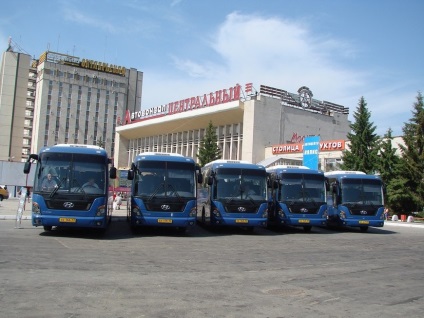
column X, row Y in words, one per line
column 311, row 152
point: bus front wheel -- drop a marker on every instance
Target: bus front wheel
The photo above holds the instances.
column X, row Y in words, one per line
column 307, row 228
column 364, row 229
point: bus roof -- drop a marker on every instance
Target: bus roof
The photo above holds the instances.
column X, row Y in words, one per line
column 343, row 172
column 162, row 156
column 151, row 153
column 233, row 164
column 351, row 175
column 292, row 169
column 286, row 167
column 75, row 148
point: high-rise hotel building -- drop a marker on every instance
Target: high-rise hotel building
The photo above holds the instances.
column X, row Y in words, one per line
column 60, row 98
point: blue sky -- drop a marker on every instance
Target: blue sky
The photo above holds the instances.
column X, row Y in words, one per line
column 341, row 50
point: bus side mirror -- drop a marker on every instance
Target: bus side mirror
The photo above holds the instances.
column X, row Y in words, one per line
column 335, row 189
column 130, row 175
column 268, row 183
column 112, row 173
column 327, row 185
column 27, row 167
column 199, row 178
column 210, row 180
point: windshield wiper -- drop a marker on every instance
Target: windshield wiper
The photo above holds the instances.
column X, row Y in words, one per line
column 57, row 187
column 162, row 185
column 233, row 196
column 80, row 188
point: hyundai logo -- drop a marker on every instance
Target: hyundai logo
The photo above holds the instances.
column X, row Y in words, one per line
column 363, row 212
column 241, row 209
column 304, row 210
column 68, row 205
column 165, row 207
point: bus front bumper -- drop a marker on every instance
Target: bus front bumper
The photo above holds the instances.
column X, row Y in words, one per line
column 362, row 222
column 68, row 221
column 163, row 221
column 303, row 221
column 240, row 221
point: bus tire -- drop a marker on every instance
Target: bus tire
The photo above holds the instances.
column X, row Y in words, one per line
column 203, row 216
column 364, row 229
column 47, row 228
column 181, row 229
column 307, row 228
column 249, row 229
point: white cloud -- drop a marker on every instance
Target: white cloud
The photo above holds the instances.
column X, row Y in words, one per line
column 273, row 52
column 287, row 55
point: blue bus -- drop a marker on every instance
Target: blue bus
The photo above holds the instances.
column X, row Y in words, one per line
column 355, row 199
column 233, row 193
column 163, row 191
column 298, row 197
column 71, row 186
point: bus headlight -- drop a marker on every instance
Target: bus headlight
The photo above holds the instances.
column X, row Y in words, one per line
column 101, row 210
column 265, row 214
column 281, row 213
column 193, row 212
column 216, row 213
column 325, row 214
column 136, row 211
column 36, row 208
column 342, row 215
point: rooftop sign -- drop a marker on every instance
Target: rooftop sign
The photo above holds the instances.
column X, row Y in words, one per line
column 84, row 63
column 330, row 145
column 221, row 96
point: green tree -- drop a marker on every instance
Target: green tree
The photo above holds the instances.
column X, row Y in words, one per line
column 100, row 142
column 209, row 150
column 362, row 154
column 408, row 185
column 388, row 164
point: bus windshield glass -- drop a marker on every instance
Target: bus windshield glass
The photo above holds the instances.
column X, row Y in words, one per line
column 72, row 173
column 302, row 188
column 244, row 184
column 362, row 191
column 164, row 179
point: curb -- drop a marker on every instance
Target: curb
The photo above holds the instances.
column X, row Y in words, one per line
column 13, row 217
column 404, row 224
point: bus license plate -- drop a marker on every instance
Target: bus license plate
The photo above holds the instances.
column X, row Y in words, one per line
column 364, row 222
column 168, row 221
column 67, row 220
column 303, row 221
column 244, row 221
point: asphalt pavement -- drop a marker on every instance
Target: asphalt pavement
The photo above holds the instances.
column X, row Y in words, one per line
column 9, row 209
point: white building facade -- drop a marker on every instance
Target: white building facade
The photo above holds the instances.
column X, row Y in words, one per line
column 248, row 125
column 59, row 98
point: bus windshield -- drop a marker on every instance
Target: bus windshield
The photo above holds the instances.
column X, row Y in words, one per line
column 362, row 191
column 302, row 188
column 164, row 179
column 73, row 173
column 244, row 184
